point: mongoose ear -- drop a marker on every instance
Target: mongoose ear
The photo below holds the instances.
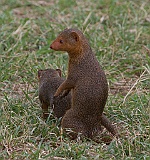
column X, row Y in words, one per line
column 59, row 72
column 75, row 36
column 39, row 73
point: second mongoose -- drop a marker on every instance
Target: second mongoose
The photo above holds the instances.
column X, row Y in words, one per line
column 49, row 81
column 88, row 83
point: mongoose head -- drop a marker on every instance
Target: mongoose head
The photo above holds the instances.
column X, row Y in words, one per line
column 48, row 73
column 69, row 40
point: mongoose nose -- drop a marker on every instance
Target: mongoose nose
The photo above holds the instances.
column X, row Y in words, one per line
column 51, row 47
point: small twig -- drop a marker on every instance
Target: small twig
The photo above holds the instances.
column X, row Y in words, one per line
column 61, row 133
column 147, row 49
column 133, row 86
column 87, row 18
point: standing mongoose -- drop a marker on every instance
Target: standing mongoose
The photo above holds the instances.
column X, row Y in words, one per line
column 49, row 81
column 87, row 81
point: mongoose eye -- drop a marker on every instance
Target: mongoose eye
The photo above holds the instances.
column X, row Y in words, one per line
column 61, row 41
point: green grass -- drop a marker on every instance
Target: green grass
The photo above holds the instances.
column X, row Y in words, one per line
column 119, row 34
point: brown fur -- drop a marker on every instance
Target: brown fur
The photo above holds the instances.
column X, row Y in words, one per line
column 49, row 81
column 87, row 81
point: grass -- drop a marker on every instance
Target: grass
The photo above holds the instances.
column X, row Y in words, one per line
column 119, row 34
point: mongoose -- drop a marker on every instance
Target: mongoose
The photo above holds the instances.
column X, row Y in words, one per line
column 87, row 81
column 49, row 81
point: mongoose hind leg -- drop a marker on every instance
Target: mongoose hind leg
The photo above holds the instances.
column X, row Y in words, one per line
column 44, row 107
column 71, row 124
column 81, row 125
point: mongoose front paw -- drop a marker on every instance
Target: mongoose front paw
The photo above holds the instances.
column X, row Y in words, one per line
column 56, row 95
column 64, row 93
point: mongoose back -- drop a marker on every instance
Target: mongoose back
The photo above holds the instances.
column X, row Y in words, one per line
column 87, row 81
column 49, row 81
